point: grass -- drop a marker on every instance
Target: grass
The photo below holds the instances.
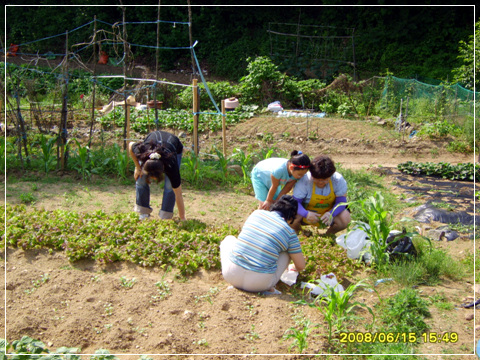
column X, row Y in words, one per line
column 428, row 268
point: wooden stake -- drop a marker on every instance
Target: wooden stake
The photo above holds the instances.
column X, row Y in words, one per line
column 92, row 118
column 125, row 126
column 127, row 120
column 224, row 129
column 156, row 66
column 64, row 116
column 195, row 116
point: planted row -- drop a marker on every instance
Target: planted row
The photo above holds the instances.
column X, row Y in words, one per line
column 107, row 238
column 143, row 121
column 463, row 171
column 186, row 246
column 29, row 348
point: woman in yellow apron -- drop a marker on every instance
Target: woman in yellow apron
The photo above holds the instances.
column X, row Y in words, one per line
column 321, row 196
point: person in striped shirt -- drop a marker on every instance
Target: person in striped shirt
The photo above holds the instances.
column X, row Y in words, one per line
column 267, row 243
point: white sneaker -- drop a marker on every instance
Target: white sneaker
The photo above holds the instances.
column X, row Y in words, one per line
column 144, row 216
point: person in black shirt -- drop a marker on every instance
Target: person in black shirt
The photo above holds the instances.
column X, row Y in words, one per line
column 157, row 157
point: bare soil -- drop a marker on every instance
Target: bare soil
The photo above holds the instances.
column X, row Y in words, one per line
column 85, row 305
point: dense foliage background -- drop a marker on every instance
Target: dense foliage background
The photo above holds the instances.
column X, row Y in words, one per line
column 409, row 41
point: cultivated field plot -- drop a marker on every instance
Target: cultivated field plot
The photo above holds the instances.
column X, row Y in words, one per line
column 130, row 309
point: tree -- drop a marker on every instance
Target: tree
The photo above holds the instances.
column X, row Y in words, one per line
column 469, row 70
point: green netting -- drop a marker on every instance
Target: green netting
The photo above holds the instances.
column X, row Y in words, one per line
column 420, row 100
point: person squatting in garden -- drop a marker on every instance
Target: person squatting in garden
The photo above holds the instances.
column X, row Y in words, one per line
column 274, row 177
column 158, row 157
column 255, row 260
column 319, row 195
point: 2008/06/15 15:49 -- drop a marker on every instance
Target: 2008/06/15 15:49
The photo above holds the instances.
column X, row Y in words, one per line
column 391, row 337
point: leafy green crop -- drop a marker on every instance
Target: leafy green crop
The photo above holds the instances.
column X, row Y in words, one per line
column 107, row 238
column 186, row 246
column 463, row 171
column 143, row 121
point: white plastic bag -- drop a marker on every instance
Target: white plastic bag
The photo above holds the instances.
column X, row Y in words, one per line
column 325, row 280
column 356, row 242
column 289, row 276
column 275, row 106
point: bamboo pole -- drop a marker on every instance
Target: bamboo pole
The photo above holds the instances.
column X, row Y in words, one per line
column 190, row 36
column 127, row 120
column 21, row 130
column 64, row 114
column 156, row 67
column 224, row 129
column 195, row 116
column 95, row 80
column 125, row 126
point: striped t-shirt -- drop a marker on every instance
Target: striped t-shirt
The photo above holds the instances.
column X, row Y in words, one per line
column 264, row 236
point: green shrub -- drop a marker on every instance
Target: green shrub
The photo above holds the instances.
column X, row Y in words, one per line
column 406, row 312
column 472, row 131
column 462, row 171
column 264, row 83
column 219, row 90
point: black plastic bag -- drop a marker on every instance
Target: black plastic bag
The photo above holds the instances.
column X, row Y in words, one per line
column 400, row 245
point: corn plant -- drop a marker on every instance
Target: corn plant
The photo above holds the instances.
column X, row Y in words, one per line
column 121, row 161
column 336, row 306
column 82, row 165
column 245, row 163
column 267, row 154
column 191, row 163
column 222, row 161
column 378, row 229
column 299, row 334
column 162, row 285
column 48, row 157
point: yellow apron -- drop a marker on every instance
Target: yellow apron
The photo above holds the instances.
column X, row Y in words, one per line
column 320, row 204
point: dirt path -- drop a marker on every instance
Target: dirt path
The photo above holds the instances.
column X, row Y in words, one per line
column 84, row 305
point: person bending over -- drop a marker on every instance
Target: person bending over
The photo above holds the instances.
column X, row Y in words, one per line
column 320, row 194
column 274, row 177
column 158, row 157
column 267, row 243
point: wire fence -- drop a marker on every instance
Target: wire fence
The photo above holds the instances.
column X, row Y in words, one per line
column 40, row 90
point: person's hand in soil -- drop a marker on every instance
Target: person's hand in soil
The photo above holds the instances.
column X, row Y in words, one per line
column 327, row 219
column 312, row 217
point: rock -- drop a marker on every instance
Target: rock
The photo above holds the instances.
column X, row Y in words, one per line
column 469, row 317
column 187, row 315
column 442, row 233
column 236, row 169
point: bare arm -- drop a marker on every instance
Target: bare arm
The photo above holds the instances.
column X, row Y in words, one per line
column 298, row 260
column 138, row 168
column 179, row 201
column 271, row 193
column 286, row 189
